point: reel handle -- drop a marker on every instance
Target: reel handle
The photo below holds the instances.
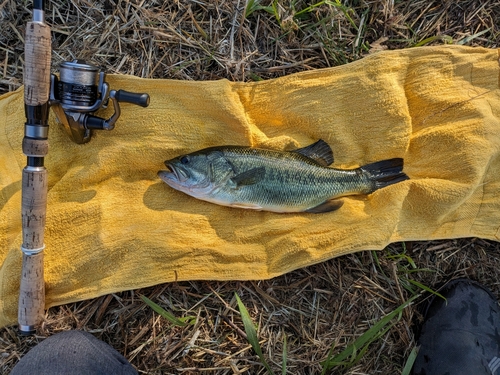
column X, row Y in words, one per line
column 97, row 123
column 132, row 98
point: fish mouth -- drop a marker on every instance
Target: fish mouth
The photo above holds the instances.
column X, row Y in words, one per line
column 172, row 174
column 171, row 169
column 168, row 174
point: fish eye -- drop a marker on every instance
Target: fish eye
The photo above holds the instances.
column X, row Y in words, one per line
column 184, row 160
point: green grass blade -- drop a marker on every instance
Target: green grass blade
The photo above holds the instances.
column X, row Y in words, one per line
column 181, row 322
column 472, row 37
column 310, row 8
column 251, row 333
column 254, row 77
column 376, row 259
column 426, row 288
column 366, row 338
column 445, row 38
column 252, row 6
column 328, row 357
column 403, row 256
column 346, row 10
column 410, row 361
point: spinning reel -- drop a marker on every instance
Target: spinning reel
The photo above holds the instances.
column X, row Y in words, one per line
column 80, row 91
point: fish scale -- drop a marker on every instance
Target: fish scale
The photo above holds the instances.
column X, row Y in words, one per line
column 290, row 178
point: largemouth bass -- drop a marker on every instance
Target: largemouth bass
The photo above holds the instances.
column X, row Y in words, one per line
column 277, row 181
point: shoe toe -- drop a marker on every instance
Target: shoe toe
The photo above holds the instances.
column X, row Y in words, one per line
column 460, row 335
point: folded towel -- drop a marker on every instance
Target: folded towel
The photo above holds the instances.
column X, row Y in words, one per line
column 113, row 225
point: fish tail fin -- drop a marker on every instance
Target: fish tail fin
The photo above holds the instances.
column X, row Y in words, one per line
column 386, row 172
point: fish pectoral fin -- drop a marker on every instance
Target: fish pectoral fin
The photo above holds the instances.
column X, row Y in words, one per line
column 327, row 206
column 250, row 177
column 320, row 152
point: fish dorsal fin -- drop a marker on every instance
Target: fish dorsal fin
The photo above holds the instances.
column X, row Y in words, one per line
column 327, row 206
column 320, row 152
column 250, row 177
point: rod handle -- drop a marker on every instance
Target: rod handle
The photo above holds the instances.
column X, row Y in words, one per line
column 31, row 294
column 37, row 55
column 33, row 212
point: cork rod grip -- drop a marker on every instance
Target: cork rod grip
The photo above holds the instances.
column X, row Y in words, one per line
column 37, row 51
column 33, row 211
column 31, row 293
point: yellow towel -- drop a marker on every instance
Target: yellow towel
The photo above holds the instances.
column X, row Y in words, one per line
column 112, row 225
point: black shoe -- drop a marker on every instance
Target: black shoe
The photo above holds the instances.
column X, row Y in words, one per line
column 460, row 336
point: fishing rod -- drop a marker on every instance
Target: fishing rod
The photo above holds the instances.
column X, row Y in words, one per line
column 37, row 53
column 78, row 92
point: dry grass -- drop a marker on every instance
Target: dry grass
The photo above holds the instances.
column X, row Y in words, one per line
column 327, row 304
